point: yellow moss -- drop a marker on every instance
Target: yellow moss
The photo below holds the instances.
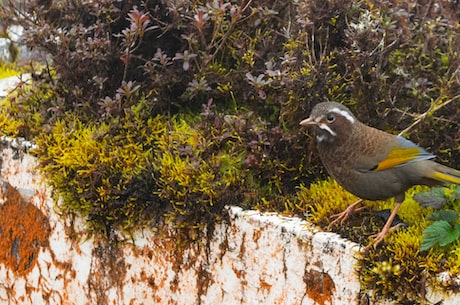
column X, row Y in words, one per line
column 8, row 125
column 7, row 70
column 324, row 198
column 102, row 175
column 453, row 259
column 187, row 175
column 404, row 242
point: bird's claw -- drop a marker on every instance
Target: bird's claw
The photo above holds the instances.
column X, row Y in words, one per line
column 378, row 238
column 343, row 216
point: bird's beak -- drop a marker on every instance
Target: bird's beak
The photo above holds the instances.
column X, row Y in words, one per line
column 308, row 122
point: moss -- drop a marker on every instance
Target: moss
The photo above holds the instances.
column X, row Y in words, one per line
column 122, row 174
column 8, row 125
column 324, row 198
column 7, row 70
column 189, row 173
column 21, row 114
column 101, row 174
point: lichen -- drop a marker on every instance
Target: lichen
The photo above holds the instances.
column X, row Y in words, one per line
column 319, row 287
column 24, row 230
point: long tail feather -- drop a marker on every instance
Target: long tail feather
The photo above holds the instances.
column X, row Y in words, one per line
column 446, row 174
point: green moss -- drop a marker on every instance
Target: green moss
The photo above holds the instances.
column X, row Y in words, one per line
column 189, row 174
column 98, row 174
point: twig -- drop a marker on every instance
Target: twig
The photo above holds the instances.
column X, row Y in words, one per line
column 434, row 107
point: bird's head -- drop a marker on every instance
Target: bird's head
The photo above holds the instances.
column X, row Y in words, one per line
column 332, row 122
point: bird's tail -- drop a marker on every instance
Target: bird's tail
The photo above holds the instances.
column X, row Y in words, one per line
column 445, row 174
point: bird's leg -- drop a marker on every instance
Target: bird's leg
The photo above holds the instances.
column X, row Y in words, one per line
column 379, row 237
column 342, row 217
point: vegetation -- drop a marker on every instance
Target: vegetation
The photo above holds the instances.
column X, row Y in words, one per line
column 150, row 109
column 445, row 228
column 7, row 70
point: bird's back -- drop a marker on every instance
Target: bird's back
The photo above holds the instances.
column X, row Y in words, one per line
column 354, row 165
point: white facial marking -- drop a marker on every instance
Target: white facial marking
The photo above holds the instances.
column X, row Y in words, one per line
column 320, row 138
column 344, row 113
column 325, row 127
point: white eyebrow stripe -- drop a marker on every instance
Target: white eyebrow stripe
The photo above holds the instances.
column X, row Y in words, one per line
column 344, row 113
column 325, row 127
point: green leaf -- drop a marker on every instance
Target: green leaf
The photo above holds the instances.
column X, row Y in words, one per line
column 439, row 232
column 447, row 215
column 436, row 197
column 457, row 227
column 451, row 236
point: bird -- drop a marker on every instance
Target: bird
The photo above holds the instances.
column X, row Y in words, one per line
column 370, row 163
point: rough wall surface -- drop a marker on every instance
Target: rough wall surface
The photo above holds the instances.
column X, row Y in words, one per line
column 251, row 258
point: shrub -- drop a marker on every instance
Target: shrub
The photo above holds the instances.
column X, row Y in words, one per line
column 117, row 62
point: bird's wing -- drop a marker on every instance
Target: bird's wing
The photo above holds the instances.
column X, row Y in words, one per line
column 402, row 152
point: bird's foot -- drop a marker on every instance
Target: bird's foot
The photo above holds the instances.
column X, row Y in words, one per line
column 343, row 216
column 378, row 238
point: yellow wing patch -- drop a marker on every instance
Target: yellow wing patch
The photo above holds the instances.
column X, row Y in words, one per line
column 398, row 156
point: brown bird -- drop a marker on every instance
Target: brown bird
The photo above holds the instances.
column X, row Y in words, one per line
column 371, row 163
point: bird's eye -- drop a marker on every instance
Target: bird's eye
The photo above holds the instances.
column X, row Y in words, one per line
column 330, row 118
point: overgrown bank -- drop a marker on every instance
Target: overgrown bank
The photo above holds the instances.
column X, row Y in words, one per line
column 178, row 108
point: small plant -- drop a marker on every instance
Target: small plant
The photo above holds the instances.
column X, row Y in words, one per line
column 445, row 228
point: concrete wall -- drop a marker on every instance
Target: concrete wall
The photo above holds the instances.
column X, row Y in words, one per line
column 252, row 258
